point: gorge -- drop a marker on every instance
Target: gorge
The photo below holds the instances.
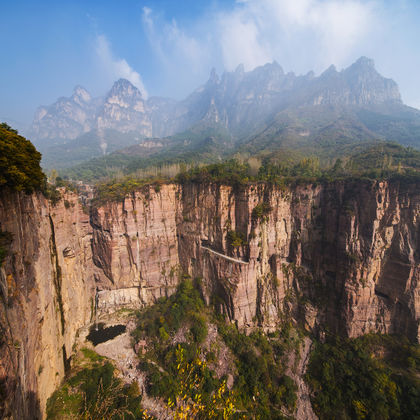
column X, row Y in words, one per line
column 341, row 256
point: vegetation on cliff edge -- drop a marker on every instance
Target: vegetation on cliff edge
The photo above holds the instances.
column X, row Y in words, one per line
column 387, row 161
column 19, row 162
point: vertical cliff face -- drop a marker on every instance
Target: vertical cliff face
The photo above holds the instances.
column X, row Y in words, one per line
column 46, row 285
column 135, row 248
column 368, row 257
column 342, row 256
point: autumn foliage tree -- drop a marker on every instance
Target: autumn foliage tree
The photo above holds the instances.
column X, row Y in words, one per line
column 188, row 403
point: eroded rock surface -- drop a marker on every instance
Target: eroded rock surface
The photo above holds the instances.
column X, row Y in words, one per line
column 342, row 256
column 46, row 296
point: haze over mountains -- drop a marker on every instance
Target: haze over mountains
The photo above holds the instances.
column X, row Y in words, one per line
column 263, row 108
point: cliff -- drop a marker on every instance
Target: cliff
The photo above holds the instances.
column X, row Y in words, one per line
column 46, row 296
column 341, row 257
column 135, row 246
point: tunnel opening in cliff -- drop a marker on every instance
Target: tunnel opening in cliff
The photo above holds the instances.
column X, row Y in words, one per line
column 100, row 334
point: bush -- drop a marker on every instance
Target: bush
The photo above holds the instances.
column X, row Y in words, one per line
column 261, row 211
column 235, row 239
column 198, row 328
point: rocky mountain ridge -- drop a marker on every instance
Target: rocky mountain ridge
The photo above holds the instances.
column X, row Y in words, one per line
column 341, row 257
column 238, row 100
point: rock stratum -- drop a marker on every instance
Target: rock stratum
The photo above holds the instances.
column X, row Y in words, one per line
column 342, row 257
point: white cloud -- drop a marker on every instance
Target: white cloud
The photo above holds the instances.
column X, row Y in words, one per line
column 174, row 47
column 241, row 42
column 117, row 67
column 300, row 34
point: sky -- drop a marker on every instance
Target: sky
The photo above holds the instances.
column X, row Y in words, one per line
column 168, row 47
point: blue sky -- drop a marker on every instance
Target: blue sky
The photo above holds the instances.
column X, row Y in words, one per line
column 168, row 47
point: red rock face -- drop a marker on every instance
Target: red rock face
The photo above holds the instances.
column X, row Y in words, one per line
column 342, row 257
column 47, row 286
column 135, row 248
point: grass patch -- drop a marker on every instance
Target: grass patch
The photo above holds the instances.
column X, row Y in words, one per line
column 91, row 355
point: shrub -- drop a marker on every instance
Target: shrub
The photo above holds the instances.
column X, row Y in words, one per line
column 261, row 211
column 235, row 239
column 198, row 328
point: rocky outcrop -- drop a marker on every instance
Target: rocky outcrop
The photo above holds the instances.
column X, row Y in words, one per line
column 341, row 257
column 124, row 110
column 67, row 118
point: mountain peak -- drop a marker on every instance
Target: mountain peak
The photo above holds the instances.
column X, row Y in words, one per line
column 274, row 68
column 310, row 75
column 276, row 64
column 329, row 72
column 124, row 88
column 364, row 62
column 80, row 94
column 123, row 82
column 363, row 65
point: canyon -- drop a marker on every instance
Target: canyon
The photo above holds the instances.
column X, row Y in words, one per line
column 341, row 257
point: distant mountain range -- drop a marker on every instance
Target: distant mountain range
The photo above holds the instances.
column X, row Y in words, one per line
column 257, row 110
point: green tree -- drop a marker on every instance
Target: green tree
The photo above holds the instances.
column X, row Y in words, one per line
column 19, row 162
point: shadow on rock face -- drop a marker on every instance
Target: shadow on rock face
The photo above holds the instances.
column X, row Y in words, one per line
column 98, row 334
column 15, row 404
